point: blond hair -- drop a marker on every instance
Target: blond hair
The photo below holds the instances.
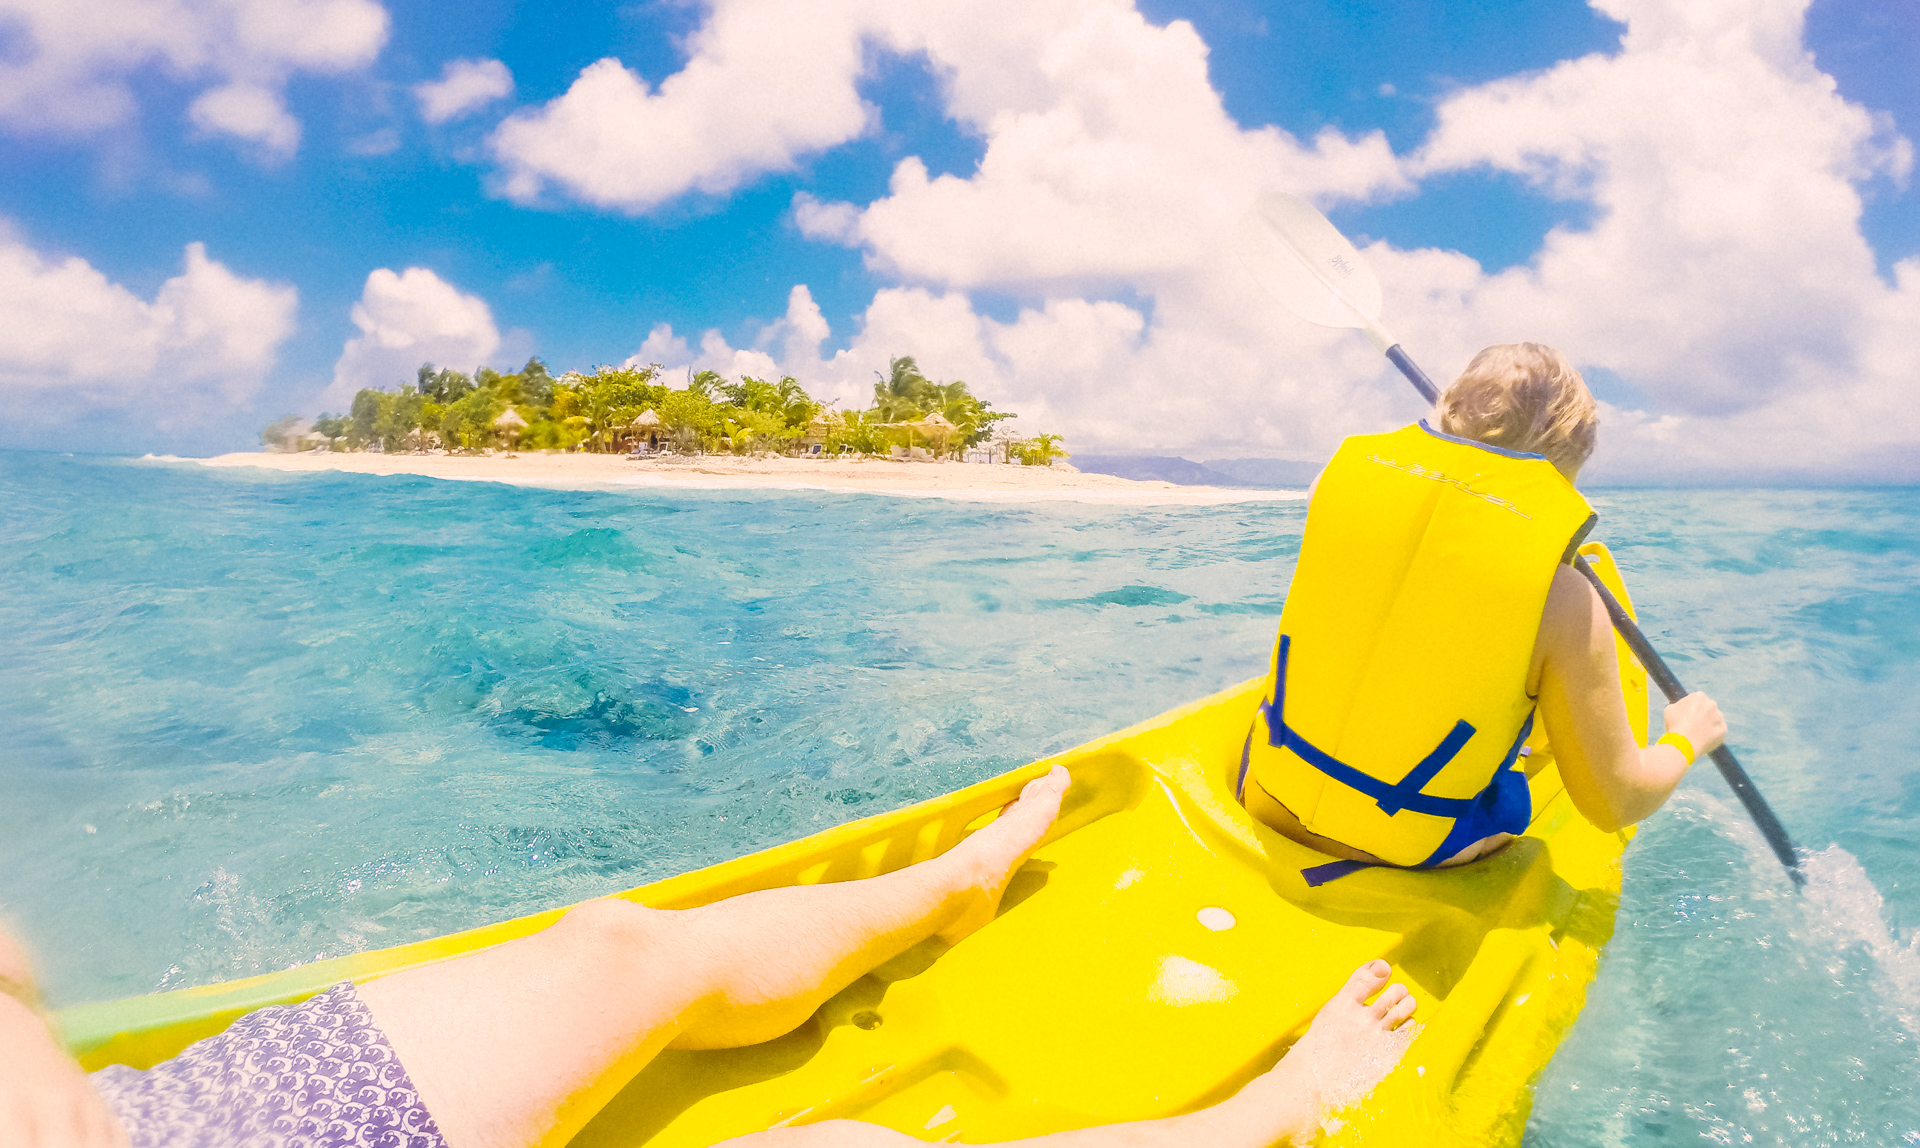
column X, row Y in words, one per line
column 1525, row 397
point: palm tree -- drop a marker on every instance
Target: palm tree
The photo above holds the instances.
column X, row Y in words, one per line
column 904, row 394
column 601, row 416
column 797, row 407
column 1041, row 450
column 969, row 415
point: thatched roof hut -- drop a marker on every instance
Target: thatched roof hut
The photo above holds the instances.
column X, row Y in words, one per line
column 937, row 428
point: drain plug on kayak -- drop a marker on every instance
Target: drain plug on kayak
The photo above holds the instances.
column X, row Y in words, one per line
column 867, row 1019
column 1216, row 918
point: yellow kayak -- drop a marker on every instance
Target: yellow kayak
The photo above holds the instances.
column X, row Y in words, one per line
column 1159, row 950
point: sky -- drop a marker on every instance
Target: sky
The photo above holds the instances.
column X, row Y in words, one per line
column 216, row 212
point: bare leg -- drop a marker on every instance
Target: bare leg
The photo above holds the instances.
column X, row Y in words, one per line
column 1350, row 1047
column 511, row 1043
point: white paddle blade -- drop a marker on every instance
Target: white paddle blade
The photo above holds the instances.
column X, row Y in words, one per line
column 1305, row 263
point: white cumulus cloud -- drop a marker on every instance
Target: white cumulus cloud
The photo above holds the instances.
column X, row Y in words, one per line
column 767, row 84
column 781, row 347
column 207, row 333
column 1109, row 158
column 463, row 86
column 1085, row 94
column 70, row 65
column 1725, row 274
column 251, row 113
column 405, row 320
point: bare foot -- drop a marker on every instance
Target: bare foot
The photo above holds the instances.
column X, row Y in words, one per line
column 1350, row 1047
column 987, row 860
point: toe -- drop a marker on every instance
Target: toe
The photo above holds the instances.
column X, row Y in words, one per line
column 1055, row 780
column 1401, row 1010
column 1366, row 980
column 1391, row 995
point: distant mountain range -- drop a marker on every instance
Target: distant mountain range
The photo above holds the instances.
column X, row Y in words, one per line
column 1256, row 473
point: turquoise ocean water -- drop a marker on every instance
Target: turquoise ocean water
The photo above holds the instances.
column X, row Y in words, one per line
column 254, row 719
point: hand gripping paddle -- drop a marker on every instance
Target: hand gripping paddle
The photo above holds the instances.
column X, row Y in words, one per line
column 1305, row 263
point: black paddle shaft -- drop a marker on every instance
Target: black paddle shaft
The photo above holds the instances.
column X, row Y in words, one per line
column 1414, row 374
column 1629, row 630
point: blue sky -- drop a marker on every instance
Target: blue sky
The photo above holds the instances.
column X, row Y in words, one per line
column 1068, row 265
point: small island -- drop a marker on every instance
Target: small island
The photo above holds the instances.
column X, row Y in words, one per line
column 628, row 410
column 623, row 427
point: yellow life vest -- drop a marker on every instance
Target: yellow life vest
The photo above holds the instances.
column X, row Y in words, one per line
column 1398, row 704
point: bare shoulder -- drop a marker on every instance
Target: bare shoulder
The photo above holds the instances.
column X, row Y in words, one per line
column 1567, row 623
column 1569, row 590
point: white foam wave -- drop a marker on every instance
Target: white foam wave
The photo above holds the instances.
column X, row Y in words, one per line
column 1843, row 912
column 1845, row 909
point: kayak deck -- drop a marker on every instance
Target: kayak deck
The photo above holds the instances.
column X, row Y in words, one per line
column 1100, row 995
column 1111, row 986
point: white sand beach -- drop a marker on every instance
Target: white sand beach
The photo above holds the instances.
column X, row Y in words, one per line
column 971, row 481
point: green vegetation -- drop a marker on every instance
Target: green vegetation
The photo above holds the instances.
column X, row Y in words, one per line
column 621, row 408
column 1040, row 450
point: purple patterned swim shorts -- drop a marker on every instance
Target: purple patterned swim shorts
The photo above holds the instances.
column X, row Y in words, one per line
column 318, row 1074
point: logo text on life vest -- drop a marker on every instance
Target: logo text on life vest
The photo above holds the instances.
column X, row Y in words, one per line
column 1419, row 471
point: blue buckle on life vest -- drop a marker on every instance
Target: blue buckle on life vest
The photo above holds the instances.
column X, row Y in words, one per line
column 1504, row 806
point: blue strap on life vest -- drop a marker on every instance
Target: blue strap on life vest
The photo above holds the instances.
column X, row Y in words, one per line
column 1319, row 875
column 1504, row 806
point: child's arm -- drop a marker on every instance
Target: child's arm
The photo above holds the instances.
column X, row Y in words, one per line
column 1612, row 780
